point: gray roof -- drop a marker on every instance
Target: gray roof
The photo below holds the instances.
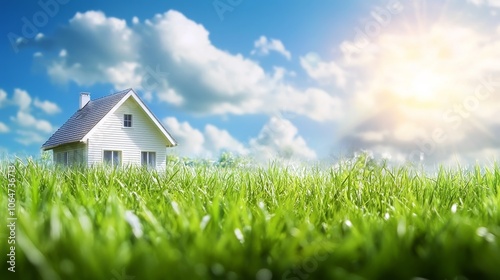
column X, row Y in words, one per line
column 82, row 121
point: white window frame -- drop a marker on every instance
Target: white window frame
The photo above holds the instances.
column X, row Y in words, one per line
column 150, row 159
column 114, row 155
column 127, row 123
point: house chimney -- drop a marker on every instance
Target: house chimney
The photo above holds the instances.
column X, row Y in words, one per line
column 84, row 99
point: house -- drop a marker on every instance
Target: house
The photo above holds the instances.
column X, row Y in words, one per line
column 118, row 129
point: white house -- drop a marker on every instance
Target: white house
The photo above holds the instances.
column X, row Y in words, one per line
column 118, row 129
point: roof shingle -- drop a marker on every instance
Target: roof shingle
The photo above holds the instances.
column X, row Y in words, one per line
column 83, row 120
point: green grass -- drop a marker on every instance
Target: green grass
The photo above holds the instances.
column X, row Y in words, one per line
column 205, row 222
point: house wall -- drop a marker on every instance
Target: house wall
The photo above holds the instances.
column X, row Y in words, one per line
column 77, row 154
column 131, row 141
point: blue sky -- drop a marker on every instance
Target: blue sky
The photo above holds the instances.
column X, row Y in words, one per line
column 309, row 80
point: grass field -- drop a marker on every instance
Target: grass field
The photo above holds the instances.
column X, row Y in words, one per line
column 354, row 221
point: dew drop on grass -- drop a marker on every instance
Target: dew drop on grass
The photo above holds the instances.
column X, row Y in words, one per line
column 262, row 205
column 348, row 223
column 454, row 208
column 239, row 235
column 401, row 228
column 204, row 222
column 387, row 216
column 484, row 233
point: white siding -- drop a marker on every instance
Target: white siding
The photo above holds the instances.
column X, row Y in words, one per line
column 131, row 141
column 77, row 153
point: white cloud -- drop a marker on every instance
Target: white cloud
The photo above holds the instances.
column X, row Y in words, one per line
column 279, row 138
column 171, row 57
column 4, row 128
column 324, row 72
column 264, row 46
column 170, row 96
column 492, row 3
column 25, row 119
column 476, row 2
column 39, row 36
column 86, row 58
column 36, row 129
column 190, row 139
column 124, row 75
column 22, row 99
column 3, row 97
column 29, row 137
column 209, row 143
column 220, row 140
column 315, row 103
column 47, row 106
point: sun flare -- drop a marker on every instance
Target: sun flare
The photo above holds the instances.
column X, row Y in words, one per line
column 410, row 82
column 425, row 78
column 422, row 84
column 425, row 69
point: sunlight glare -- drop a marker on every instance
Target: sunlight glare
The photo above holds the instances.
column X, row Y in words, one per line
column 424, row 85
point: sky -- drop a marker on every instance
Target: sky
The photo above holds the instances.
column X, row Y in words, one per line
column 404, row 80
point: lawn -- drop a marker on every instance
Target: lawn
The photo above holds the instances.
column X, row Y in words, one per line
column 202, row 221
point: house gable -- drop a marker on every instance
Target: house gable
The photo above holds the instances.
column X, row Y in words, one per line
column 143, row 136
column 170, row 141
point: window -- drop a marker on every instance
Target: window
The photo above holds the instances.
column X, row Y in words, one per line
column 62, row 158
column 78, row 157
column 127, row 120
column 112, row 158
column 148, row 159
